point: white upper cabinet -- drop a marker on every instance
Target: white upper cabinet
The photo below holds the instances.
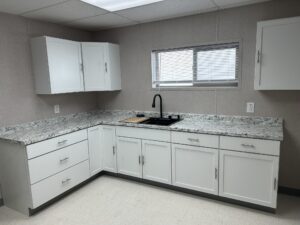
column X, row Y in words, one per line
column 63, row 66
column 277, row 55
column 57, row 65
column 101, row 63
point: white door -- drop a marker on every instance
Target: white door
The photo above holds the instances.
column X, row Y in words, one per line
column 108, row 145
column 129, row 156
column 195, row 168
column 64, row 58
column 94, row 140
column 278, row 53
column 249, row 177
column 156, row 161
column 94, row 66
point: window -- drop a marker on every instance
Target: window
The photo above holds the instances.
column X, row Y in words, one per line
column 207, row 65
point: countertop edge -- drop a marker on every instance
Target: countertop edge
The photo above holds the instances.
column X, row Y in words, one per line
column 168, row 128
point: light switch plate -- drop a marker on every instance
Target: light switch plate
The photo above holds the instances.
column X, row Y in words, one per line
column 56, row 109
column 250, row 107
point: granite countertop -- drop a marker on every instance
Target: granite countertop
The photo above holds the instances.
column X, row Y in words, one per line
column 237, row 126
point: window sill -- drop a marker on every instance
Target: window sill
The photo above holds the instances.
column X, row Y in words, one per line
column 195, row 88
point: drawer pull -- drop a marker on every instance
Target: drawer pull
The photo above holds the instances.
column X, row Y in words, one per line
column 193, row 139
column 62, row 142
column 65, row 181
column 63, row 160
column 248, row 146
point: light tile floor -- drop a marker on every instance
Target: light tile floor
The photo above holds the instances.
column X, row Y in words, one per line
column 114, row 201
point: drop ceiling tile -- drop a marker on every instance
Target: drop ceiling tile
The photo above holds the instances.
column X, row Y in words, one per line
column 22, row 6
column 234, row 3
column 65, row 12
column 105, row 21
column 167, row 9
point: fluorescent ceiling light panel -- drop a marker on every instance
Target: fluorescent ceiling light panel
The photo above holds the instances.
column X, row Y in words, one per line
column 116, row 5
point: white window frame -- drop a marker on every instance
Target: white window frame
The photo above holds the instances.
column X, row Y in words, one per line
column 194, row 84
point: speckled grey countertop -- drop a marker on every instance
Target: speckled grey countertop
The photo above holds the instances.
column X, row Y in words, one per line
column 237, row 126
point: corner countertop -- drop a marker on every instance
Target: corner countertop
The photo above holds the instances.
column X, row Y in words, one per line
column 267, row 128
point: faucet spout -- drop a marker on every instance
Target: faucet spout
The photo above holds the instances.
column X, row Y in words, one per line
column 153, row 103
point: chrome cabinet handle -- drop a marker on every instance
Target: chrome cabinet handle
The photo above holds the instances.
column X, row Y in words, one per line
column 193, row 139
column 216, row 173
column 62, row 142
column 63, row 160
column 248, row 146
column 139, row 160
column 275, row 184
column 114, row 150
column 258, row 57
column 106, row 67
column 143, row 160
column 65, row 181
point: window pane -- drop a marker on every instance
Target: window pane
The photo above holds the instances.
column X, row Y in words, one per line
column 206, row 65
column 175, row 66
column 216, row 64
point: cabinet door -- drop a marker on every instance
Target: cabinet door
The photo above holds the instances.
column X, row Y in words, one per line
column 113, row 66
column 195, row 168
column 64, row 58
column 94, row 66
column 156, row 161
column 108, row 145
column 278, row 53
column 94, row 139
column 129, row 156
column 249, row 177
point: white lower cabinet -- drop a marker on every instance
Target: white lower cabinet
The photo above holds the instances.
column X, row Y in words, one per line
column 57, row 161
column 108, row 145
column 249, row 177
column 59, row 183
column 195, row 168
column 95, row 151
column 157, row 161
column 129, row 156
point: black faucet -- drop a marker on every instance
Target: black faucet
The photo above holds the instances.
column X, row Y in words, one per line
column 153, row 103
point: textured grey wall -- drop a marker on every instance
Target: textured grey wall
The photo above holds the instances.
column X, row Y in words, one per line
column 18, row 102
column 232, row 24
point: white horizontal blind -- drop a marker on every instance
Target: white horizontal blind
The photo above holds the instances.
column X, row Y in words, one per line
column 208, row 65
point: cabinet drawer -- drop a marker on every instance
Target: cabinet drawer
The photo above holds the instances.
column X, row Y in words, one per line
column 49, row 188
column 44, row 147
column 266, row 147
column 54, row 162
column 143, row 133
column 211, row 141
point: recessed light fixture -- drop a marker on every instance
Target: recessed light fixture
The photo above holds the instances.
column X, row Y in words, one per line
column 115, row 5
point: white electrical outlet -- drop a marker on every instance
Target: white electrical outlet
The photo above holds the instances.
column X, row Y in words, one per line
column 56, row 109
column 250, row 107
